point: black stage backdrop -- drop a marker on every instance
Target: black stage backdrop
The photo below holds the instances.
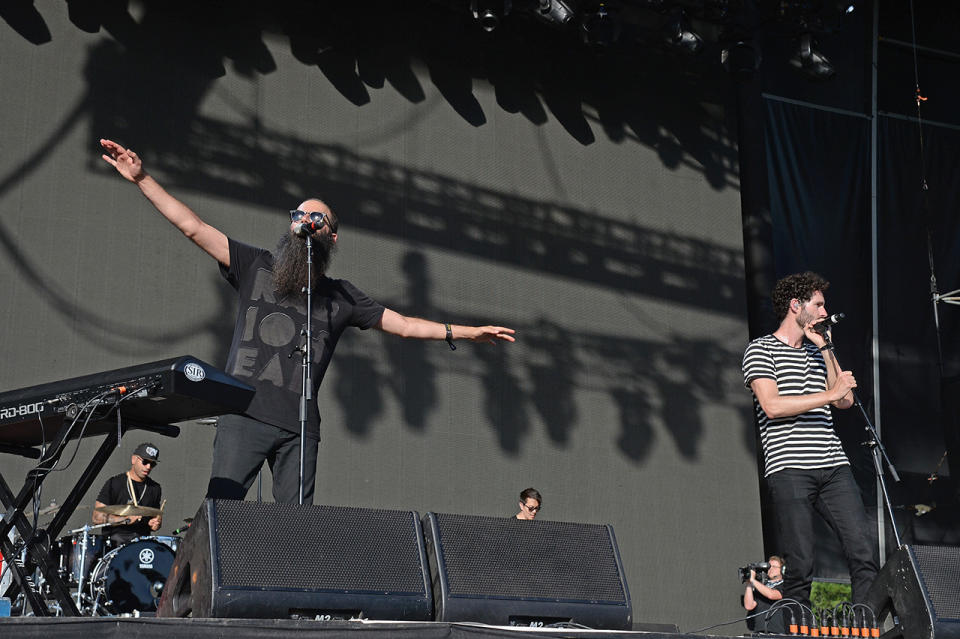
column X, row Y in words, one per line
column 592, row 204
column 920, row 228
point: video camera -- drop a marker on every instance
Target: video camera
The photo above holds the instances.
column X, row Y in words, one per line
column 758, row 568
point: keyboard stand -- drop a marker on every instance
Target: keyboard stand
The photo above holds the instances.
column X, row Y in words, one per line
column 38, row 542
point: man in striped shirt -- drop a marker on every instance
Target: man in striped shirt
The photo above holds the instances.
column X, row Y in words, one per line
column 795, row 379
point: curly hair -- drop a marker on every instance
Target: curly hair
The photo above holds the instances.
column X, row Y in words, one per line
column 797, row 286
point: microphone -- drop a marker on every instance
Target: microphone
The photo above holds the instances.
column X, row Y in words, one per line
column 306, row 228
column 828, row 323
column 314, row 223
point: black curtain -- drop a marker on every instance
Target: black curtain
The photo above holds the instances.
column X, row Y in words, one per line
column 919, row 227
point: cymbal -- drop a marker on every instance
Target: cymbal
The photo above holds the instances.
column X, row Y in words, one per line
column 129, row 510
column 52, row 509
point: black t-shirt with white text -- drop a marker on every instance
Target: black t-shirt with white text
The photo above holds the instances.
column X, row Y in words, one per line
column 267, row 331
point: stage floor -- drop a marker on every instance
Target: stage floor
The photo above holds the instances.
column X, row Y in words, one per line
column 152, row 628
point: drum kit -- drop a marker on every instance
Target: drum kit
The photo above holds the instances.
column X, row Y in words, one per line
column 107, row 579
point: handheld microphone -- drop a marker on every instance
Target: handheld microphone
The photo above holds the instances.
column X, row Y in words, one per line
column 828, row 323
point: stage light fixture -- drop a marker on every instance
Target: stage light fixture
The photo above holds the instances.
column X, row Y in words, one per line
column 600, row 27
column 742, row 58
column 679, row 36
column 810, row 61
column 489, row 12
column 553, row 12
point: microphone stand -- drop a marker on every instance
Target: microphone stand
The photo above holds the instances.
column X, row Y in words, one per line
column 306, row 392
column 877, row 451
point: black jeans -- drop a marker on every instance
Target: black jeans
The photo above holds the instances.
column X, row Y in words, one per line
column 832, row 492
column 239, row 450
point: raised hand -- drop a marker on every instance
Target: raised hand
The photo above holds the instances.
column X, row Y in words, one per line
column 125, row 161
column 814, row 335
column 490, row 334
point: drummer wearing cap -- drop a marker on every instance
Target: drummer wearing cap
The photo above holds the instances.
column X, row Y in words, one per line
column 132, row 487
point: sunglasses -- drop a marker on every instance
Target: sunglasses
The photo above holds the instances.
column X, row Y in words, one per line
column 148, row 462
column 532, row 509
column 317, row 218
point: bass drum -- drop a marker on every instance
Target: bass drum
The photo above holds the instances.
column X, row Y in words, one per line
column 130, row 578
column 173, row 542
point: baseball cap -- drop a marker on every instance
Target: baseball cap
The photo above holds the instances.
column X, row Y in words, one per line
column 147, row 451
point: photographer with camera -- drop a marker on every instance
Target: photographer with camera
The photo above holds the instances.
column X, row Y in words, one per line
column 760, row 595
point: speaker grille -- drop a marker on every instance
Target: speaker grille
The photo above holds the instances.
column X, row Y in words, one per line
column 939, row 567
column 327, row 548
column 517, row 559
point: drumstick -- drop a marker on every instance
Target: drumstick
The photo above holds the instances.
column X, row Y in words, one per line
column 133, row 493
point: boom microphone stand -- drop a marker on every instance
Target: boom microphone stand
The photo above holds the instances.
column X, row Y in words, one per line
column 877, row 451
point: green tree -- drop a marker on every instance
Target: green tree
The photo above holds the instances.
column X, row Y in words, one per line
column 825, row 596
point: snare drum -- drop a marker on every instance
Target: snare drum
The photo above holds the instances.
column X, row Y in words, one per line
column 131, row 577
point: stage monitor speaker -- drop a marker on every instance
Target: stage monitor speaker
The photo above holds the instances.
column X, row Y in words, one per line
column 920, row 587
column 256, row 560
column 506, row 571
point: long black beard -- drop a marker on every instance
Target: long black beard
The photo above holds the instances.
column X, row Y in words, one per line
column 290, row 263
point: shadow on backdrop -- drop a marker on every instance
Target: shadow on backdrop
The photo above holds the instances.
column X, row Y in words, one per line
column 168, row 63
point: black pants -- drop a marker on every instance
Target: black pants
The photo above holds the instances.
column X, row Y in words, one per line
column 239, row 450
column 832, row 492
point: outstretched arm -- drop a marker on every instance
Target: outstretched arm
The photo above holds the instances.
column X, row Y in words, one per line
column 397, row 324
column 129, row 165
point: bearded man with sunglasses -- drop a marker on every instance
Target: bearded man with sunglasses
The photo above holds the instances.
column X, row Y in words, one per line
column 272, row 312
